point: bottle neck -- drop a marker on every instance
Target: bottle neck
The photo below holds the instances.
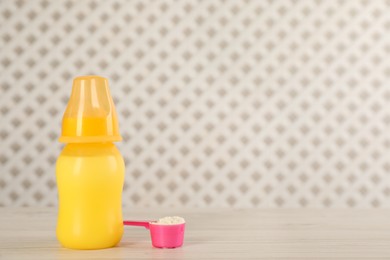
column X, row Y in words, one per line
column 89, row 149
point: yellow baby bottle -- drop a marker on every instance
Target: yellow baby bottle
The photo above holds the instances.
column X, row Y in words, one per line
column 90, row 169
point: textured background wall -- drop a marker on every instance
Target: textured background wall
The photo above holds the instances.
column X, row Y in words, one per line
column 221, row 103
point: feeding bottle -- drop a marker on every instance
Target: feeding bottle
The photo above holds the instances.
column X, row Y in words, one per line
column 90, row 169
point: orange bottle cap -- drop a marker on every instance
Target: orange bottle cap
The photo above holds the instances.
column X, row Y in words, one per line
column 90, row 115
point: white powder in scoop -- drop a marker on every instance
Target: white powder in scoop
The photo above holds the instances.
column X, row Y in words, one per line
column 170, row 220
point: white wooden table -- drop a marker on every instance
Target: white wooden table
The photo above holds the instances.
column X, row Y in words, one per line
column 29, row 233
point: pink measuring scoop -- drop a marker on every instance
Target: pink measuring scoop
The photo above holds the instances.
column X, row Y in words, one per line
column 162, row 235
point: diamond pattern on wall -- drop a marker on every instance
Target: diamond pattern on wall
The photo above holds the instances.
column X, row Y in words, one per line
column 221, row 103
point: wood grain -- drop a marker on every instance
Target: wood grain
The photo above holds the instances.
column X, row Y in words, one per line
column 29, row 233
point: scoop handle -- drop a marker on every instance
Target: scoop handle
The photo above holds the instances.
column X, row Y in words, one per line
column 136, row 223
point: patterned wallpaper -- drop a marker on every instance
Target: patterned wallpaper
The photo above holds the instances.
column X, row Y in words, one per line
column 221, row 103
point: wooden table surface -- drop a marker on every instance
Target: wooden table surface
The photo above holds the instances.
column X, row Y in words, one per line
column 29, row 233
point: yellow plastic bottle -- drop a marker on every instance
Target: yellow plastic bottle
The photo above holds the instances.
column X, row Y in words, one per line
column 90, row 169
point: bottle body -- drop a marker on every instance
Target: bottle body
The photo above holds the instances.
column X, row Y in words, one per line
column 90, row 179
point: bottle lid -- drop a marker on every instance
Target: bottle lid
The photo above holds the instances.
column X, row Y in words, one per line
column 90, row 115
